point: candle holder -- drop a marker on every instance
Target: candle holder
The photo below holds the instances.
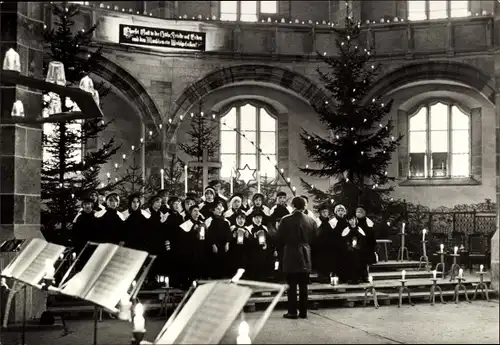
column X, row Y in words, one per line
column 403, row 250
column 459, row 286
column 424, row 260
column 137, row 337
column 483, row 286
column 454, row 267
column 434, row 287
column 371, row 290
column 441, row 264
column 46, row 283
column 402, row 289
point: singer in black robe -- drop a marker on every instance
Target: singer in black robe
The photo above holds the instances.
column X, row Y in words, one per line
column 279, row 210
column 136, row 224
column 262, row 260
column 218, row 240
column 234, row 209
column 170, row 233
column 216, row 185
column 258, row 206
column 207, row 206
column 367, row 225
column 353, row 264
column 240, row 246
column 83, row 231
column 110, row 222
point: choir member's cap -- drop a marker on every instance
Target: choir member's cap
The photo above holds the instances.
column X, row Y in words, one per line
column 214, row 183
column 305, row 198
column 236, row 196
column 281, row 193
column 210, row 189
column 154, row 198
column 112, row 196
column 258, row 195
column 361, row 207
column 171, row 200
column 87, row 200
column 134, row 196
column 257, row 213
column 163, row 192
column 350, row 215
column 323, row 206
column 193, row 207
column 240, row 213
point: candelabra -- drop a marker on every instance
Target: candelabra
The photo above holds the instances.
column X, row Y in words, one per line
column 454, row 267
column 441, row 264
column 424, row 260
column 402, row 289
column 483, row 286
column 458, row 287
column 403, row 250
column 434, row 287
column 371, row 290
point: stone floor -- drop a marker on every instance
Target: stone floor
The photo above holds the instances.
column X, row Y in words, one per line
column 476, row 323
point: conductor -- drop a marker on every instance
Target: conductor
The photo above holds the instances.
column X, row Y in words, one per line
column 295, row 234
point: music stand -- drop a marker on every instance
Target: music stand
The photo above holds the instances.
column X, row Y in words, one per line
column 247, row 289
column 132, row 281
column 27, row 268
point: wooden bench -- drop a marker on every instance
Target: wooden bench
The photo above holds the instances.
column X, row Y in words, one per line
column 386, row 252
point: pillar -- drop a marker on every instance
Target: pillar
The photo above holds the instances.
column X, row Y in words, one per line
column 20, row 145
column 494, row 240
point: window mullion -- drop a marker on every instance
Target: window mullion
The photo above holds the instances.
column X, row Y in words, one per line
column 238, row 136
column 428, row 149
column 450, row 143
column 257, row 137
column 238, row 11
column 258, row 10
column 427, row 9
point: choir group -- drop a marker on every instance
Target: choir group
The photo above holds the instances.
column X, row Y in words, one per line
column 211, row 238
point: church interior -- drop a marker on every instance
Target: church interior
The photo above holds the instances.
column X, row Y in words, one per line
column 249, row 69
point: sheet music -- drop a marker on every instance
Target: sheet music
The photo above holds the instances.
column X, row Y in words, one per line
column 36, row 270
column 116, row 278
column 208, row 315
column 82, row 282
column 24, row 259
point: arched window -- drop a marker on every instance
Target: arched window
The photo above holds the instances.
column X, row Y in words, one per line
column 256, row 125
column 246, row 11
column 439, row 139
column 437, row 9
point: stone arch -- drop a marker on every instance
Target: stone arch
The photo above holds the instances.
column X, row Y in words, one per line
column 132, row 89
column 434, row 70
column 300, row 85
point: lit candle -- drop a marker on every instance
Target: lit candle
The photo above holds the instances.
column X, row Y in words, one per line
column 238, row 275
column 185, row 179
column 162, row 179
column 262, row 238
column 434, row 274
column 49, row 270
column 276, row 265
column 139, row 321
column 240, row 237
column 243, row 333
column 455, row 250
column 231, row 185
column 125, row 308
column 334, row 280
column 441, row 247
column 403, row 228
column 202, row 233
column 161, row 279
column 258, row 181
column 73, row 256
column 423, row 235
column 370, row 279
column 403, row 275
column 167, row 282
column 460, row 273
column 481, row 268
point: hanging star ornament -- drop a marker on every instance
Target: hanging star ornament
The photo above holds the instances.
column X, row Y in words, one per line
column 246, row 174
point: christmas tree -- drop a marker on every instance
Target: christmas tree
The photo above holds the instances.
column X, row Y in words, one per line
column 200, row 137
column 70, row 169
column 361, row 143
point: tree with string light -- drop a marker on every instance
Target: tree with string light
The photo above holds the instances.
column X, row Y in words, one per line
column 360, row 146
column 68, row 172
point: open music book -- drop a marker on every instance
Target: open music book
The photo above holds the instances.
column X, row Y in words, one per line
column 107, row 276
column 30, row 264
column 207, row 315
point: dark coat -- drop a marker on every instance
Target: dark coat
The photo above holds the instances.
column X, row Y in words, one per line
column 296, row 232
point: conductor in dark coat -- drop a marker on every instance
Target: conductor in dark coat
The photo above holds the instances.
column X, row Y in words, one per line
column 296, row 233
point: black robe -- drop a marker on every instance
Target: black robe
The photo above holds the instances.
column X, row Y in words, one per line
column 329, row 246
column 84, row 230
column 110, row 226
column 137, row 229
column 261, row 265
column 171, row 246
column 191, row 254
column 264, row 209
column 206, row 209
column 164, row 209
column 218, row 234
column 240, row 248
column 353, row 262
column 367, row 225
column 230, row 215
column 278, row 212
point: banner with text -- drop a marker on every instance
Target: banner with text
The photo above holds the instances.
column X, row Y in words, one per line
column 166, row 38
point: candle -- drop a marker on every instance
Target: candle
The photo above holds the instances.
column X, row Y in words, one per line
column 161, row 279
column 139, row 321
column 460, row 273
column 125, row 307
column 258, row 181
column 185, row 179
column 481, row 267
column 49, row 270
column 403, row 275
column 276, row 265
column 262, row 238
column 202, row 232
column 167, row 282
column 423, row 235
column 334, row 280
column 231, row 182
column 434, row 274
column 243, row 333
column 441, row 247
column 403, row 228
column 162, row 179
column 238, row 275
column 455, row 250
column 240, row 237
column 370, row 279
column 73, row 256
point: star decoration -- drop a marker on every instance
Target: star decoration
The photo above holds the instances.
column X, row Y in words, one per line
column 246, row 174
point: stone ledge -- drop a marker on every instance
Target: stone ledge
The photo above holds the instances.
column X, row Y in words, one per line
column 468, row 181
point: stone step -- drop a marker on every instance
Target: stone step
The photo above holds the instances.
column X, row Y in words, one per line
column 392, row 265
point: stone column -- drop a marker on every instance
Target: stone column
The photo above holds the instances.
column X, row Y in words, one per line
column 20, row 147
